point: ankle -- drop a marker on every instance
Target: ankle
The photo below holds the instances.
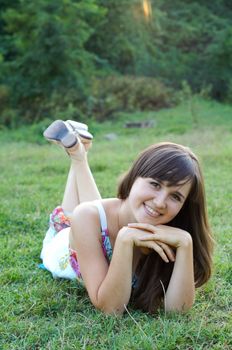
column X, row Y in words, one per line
column 77, row 153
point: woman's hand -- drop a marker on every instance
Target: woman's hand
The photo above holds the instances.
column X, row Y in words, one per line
column 163, row 234
column 180, row 293
column 143, row 237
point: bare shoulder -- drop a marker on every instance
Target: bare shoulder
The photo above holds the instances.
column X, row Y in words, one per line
column 85, row 219
column 88, row 210
column 85, row 208
column 85, row 215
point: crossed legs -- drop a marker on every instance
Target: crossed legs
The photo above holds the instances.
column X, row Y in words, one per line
column 80, row 186
column 76, row 140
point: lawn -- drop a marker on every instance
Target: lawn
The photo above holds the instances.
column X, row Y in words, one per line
column 38, row 312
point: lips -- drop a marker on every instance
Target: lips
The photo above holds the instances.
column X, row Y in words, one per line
column 150, row 211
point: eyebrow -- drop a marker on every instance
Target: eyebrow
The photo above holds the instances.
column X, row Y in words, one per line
column 176, row 192
column 180, row 194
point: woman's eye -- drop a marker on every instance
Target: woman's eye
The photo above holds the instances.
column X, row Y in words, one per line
column 155, row 184
column 176, row 197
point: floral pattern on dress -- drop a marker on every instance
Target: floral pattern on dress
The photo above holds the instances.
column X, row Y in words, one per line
column 106, row 245
column 74, row 262
column 59, row 220
column 64, row 261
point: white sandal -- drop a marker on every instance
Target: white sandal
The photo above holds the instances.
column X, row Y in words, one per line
column 66, row 134
column 77, row 125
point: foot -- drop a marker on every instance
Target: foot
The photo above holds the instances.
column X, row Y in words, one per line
column 78, row 152
column 77, row 125
column 58, row 132
column 79, row 129
column 66, row 133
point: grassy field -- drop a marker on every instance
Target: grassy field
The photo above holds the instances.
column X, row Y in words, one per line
column 38, row 312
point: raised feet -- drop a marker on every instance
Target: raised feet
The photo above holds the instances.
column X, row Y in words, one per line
column 77, row 152
column 58, row 132
column 73, row 136
column 77, row 125
column 79, row 129
column 66, row 133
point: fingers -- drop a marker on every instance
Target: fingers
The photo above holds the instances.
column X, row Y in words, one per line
column 161, row 237
column 141, row 226
column 156, row 247
column 148, row 237
column 163, row 249
column 168, row 250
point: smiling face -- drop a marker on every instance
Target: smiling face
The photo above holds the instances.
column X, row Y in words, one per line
column 157, row 202
column 158, row 183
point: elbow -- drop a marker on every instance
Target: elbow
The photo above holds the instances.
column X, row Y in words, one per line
column 115, row 311
column 179, row 302
column 110, row 309
column 180, row 308
column 110, row 302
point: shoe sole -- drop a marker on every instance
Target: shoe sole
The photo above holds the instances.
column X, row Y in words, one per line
column 58, row 132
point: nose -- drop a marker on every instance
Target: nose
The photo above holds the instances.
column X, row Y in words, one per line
column 160, row 200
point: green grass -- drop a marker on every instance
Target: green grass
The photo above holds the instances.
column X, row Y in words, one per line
column 38, row 312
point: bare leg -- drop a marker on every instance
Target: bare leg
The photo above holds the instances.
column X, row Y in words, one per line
column 86, row 186
column 70, row 198
column 80, row 186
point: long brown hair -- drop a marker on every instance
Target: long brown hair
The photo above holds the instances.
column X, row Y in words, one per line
column 175, row 164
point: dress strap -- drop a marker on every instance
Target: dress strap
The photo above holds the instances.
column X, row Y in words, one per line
column 102, row 215
column 106, row 245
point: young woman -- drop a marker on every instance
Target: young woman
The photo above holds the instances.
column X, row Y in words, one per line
column 150, row 245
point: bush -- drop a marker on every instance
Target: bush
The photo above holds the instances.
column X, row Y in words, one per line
column 4, row 97
column 43, row 57
column 127, row 93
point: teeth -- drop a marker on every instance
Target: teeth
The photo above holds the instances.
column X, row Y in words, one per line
column 151, row 211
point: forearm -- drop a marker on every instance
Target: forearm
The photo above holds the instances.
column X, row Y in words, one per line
column 114, row 292
column 181, row 291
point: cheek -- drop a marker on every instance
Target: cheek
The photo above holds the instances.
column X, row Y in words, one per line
column 133, row 198
column 175, row 208
column 136, row 192
column 132, row 194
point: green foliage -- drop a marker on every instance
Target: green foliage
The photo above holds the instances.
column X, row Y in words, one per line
column 127, row 93
column 4, row 96
column 123, row 41
column 51, row 50
column 195, row 45
column 48, row 59
column 220, row 52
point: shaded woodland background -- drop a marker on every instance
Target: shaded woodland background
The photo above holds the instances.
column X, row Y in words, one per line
column 92, row 58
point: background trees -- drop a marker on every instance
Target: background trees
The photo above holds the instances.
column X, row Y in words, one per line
column 52, row 52
column 45, row 59
column 196, row 45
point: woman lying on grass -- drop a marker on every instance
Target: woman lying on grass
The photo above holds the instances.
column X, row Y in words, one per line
column 150, row 245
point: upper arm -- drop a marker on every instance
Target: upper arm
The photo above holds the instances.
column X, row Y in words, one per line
column 85, row 238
